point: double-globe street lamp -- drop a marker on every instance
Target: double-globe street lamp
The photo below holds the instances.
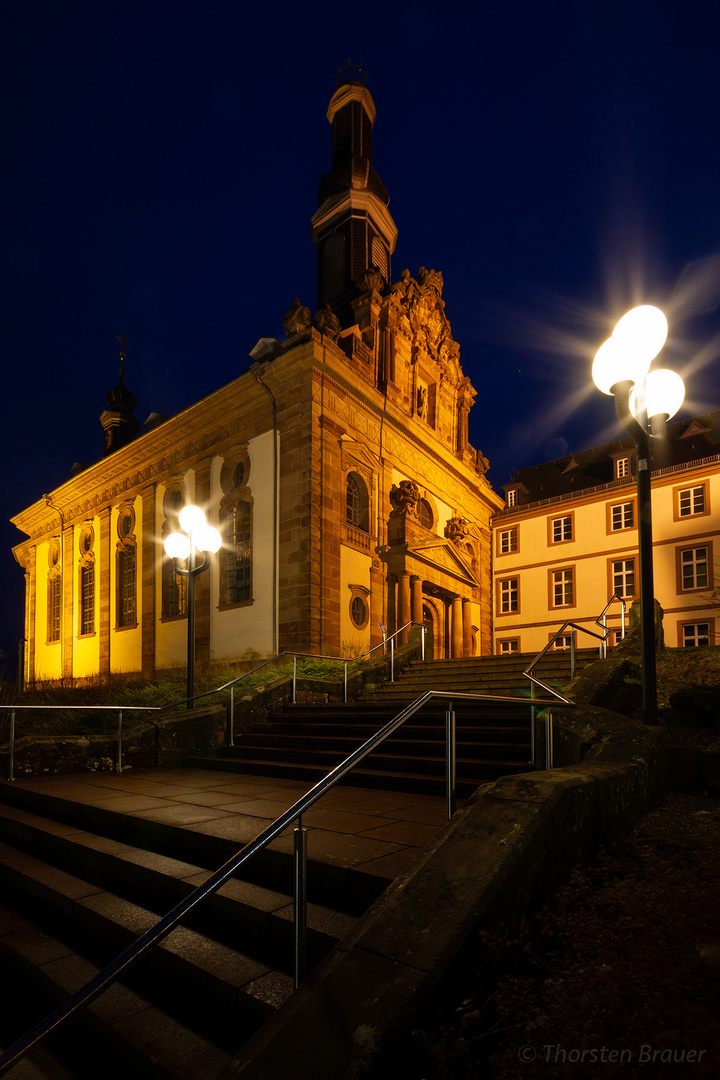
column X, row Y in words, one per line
column 644, row 401
column 190, row 551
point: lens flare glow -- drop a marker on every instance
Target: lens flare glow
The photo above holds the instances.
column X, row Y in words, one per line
column 177, row 546
column 643, row 330
column 664, row 393
column 192, row 518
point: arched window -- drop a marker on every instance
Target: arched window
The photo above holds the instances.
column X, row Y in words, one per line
column 54, row 592
column 356, row 502
column 333, row 266
column 425, row 514
column 126, row 585
column 87, row 581
column 87, row 598
column 238, row 539
column 126, row 564
column 174, row 591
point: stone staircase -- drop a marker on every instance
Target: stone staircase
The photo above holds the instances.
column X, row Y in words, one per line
column 493, row 739
column 80, row 882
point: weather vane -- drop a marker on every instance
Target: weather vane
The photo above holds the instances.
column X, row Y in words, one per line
column 123, row 346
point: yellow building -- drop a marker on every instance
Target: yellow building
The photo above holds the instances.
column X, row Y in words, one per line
column 567, row 540
column 337, row 469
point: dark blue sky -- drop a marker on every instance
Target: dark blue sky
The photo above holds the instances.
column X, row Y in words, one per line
column 558, row 162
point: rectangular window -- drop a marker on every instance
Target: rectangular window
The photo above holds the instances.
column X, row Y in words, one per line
column 87, row 598
column 508, row 596
column 512, row 497
column 622, row 577
column 126, row 578
column 694, row 568
column 508, row 540
column 622, row 516
column 562, row 590
column 563, row 642
column 695, row 635
column 54, row 602
column 622, row 467
column 691, row 501
column 508, row 645
column 561, row 529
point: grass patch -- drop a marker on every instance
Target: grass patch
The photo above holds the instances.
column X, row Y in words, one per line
column 53, row 713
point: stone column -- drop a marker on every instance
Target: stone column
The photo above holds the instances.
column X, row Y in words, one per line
column 148, row 556
column 457, row 628
column 69, row 560
column 404, row 614
column 104, row 577
column 467, row 628
column 31, row 607
column 391, row 604
column 416, row 593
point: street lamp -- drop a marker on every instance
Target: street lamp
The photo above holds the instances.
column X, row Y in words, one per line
column 644, row 401
column 193, row 546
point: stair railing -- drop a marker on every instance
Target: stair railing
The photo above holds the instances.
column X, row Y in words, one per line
column 601, row 621
column 229, row 685
column 135, row 952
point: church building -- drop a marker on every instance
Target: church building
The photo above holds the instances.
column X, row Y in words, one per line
column 337, row 469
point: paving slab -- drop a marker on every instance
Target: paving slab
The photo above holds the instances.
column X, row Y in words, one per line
column 349, row 827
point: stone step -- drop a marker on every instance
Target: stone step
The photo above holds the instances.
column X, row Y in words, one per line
column 404, row 779
column 122, row 1029
column 87, row 881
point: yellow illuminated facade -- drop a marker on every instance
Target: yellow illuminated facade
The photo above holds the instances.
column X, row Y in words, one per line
column 337, row 469
column 567, row 541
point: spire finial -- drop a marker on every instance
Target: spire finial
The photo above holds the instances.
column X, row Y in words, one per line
column 351, row 73
column 123, row 346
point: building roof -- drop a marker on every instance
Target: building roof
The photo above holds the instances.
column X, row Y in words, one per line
column 685, row 442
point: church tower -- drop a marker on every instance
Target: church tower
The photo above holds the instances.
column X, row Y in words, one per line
column 353, row 230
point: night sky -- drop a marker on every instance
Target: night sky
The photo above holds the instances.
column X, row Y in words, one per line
column 558, row 162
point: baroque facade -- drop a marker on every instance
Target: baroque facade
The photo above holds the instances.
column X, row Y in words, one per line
column 567, row 540
column 337, row 469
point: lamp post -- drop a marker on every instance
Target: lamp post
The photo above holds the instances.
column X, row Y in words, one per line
column 193, row 546
column 644, row 401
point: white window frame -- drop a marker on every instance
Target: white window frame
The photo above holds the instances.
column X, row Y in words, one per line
column 625, row 510
column 691, row 501
column 508, row 540
column 509, row 595
column 620, row 578
column 561, row 529
column 696, row 634
column 562, row 587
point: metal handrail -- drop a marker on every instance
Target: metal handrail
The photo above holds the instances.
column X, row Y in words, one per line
column 230, row 684
column 135, row 952
column 601, row 621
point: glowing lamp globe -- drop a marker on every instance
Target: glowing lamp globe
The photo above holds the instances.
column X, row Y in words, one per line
column 615, row 363
column 177, row 546
column 626, row 356
column 664, row 393
column 208, row 539
column 643, row 330
column 192, row 519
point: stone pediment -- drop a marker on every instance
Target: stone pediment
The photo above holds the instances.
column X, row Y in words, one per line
column 444, row 556
column 358, row 452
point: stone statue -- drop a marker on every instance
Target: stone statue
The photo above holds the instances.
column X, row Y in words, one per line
column 422, row 402
column 456, row 529
column 327, row 322
column 404, row 496
column 296, row 319
column 371, row 281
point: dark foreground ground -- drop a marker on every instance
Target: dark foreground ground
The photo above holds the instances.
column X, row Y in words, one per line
column 619, row 978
